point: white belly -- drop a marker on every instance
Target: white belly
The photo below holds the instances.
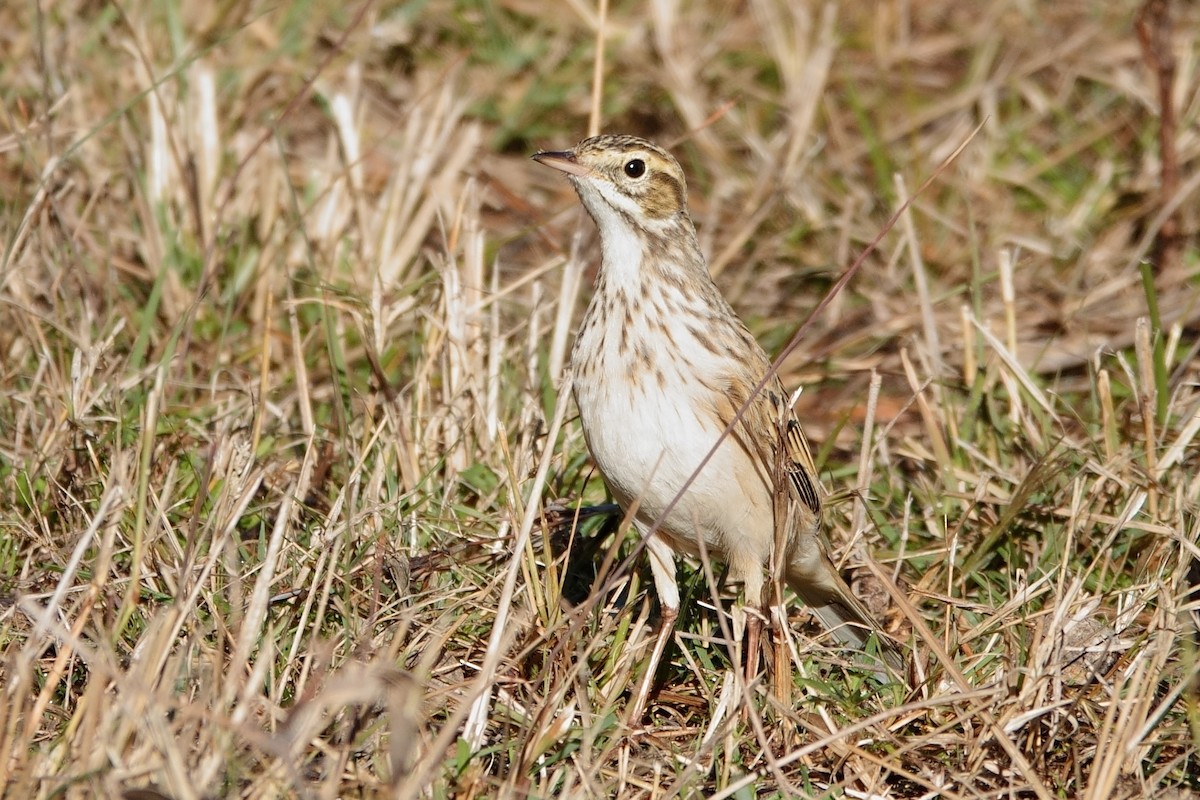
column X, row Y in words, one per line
column 648, row 437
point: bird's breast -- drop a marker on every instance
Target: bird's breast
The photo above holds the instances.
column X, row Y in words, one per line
column 646, row 401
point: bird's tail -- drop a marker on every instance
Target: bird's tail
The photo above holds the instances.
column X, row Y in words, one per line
column 847, row 618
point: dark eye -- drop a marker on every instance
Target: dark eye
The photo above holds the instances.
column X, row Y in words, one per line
column 635, row 168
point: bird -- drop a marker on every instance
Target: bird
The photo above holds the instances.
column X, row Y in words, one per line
column 663, row 369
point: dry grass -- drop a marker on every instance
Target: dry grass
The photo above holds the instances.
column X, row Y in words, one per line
column 283, row 317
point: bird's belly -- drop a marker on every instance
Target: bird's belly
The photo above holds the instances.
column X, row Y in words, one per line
column 647, row 438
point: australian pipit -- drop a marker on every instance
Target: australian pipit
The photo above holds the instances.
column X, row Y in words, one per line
column 662, row 366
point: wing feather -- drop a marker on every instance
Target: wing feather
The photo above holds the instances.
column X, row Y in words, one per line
column 767, row 417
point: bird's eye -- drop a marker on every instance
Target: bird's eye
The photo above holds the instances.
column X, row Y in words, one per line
column 635, row 168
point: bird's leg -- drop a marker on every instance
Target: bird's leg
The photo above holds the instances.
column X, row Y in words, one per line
column 754, row 627
column 662, row 566
column 666, row 627
column 780, row 658
column 747, row 616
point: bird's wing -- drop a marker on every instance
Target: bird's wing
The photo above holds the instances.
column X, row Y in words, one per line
column 767, row 420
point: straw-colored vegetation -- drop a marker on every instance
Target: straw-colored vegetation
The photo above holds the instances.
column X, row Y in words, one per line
column 288, row 471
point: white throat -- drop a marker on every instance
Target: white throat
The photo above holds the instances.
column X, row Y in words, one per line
column 621, row 246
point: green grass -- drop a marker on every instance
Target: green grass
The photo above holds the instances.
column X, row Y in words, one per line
column 287, row 466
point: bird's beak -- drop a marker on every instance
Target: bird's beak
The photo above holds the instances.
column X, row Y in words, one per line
column 564, row 161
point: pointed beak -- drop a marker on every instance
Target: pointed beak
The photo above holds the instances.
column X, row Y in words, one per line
column 564, row 161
